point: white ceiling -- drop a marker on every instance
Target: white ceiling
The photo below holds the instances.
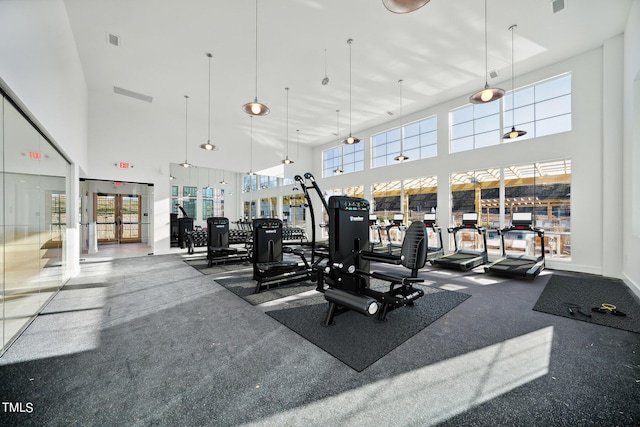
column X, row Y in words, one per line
column 438, row 51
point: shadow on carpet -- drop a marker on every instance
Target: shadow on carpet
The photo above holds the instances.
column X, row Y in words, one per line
column 359, row 341
column 238, row 278
column 244, row 286
column 202, row 266
column 579, row 294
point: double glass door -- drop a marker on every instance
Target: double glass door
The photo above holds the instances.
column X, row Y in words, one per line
column 118, row 218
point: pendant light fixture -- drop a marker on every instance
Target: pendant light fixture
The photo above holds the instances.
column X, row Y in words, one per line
column 401, row 157
column 287, row 160
column 186, row 164
column 250, row 173
column 208, row 146
column 208, row 187
column 350, row 139
column 513, row 134
column 403, row 6
column 223, row 182
column 338, row 170
column 488, row 94
column 255, row 108
column 325, row 81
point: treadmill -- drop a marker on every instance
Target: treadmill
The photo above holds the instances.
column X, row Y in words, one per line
column 398, row 219
column 435, row 248
column 465, row 259
column 519, row 265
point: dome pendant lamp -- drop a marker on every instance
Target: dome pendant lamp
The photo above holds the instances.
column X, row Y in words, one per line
column 287, row 160
column 186, row 164
column 350, row 139
column 401, row 157
column 513, row 134
column 208, row 146
column 488, row 94
column 255, row 108
column 403, row 6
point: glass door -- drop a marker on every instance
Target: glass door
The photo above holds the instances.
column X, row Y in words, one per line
column 118, row 218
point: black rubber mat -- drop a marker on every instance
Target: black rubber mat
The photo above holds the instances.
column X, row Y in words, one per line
column 564, row 295
column 358, row 340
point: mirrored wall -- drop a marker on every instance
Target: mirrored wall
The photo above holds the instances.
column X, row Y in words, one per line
column 33, row 221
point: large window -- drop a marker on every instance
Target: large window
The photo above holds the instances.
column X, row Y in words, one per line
column 421, row 196
column 540, row 188
column 474, row 126
column 293, row 210
column 541, row 109
column 190, row 200
column 212, row 202
column 249, row 183
column 174, row 199
column 348, row 158
column 58, row 216
column 420, row 142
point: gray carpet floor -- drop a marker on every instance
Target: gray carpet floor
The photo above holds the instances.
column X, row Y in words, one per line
column 152, row 341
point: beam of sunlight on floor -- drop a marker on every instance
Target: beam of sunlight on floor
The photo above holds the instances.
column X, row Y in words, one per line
column 435, row 393
column 69, row 324
column 452, row 287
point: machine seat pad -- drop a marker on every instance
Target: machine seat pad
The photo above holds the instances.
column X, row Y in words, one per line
column 274, row 266
column 222, row 249
column 396, row 278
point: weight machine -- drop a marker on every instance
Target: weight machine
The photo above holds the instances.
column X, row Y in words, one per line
column 347, row 262
column 270, row 269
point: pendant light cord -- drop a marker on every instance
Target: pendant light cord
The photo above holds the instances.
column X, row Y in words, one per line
column 209, row 118
column 257, row 50
column 486, row 48
column 287, row 89
column 338, row 139
column 350, row 74
column 401, row 124
column 513, row 97
column 325, row 62
column 251, row 149
column 186, row 127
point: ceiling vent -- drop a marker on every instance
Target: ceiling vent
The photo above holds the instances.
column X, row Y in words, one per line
column 493, row 74
column 113, row 39
column 132, row 94
column 557, row 5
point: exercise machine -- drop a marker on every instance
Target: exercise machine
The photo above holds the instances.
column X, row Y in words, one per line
column 376, row 245
column 397, row 221
column 526, row 265
column 181, row 228
column 467, row 232
column 348, row 269
column 270, row 269
column 319, row 250
column 434, row 235
column 218, row 249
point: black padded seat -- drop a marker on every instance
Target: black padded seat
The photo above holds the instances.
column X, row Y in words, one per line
column 413, row 255
column 279, row 265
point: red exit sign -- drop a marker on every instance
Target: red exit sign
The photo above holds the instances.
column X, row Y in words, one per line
column 35, row 155
column 124, row 165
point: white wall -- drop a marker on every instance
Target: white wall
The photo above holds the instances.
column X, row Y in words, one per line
column 583, row 145
column 41, row 71
column 41, row 67
column 631, row 150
